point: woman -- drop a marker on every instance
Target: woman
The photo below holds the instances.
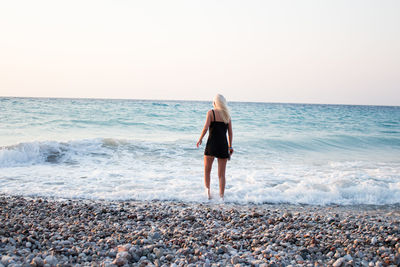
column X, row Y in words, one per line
column 218, row 121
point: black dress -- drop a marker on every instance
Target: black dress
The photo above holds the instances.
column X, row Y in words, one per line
column 217, row 144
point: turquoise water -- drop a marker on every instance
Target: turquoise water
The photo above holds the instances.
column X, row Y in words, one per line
column 137, row 149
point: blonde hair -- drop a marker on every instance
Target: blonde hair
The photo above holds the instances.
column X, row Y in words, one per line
column 220, row 104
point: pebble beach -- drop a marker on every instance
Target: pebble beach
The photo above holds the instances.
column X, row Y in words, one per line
column 49, row 232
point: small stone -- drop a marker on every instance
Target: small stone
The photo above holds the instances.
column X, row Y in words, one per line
column 235, row 260
column 169, row 257
column 107, row 263
column 348, row 257
column 220, row 251
column 123, row 248
column 287, row 215
column 374, row 240
column 37, row 261
column 298, row 258
column 5, row 260
column 28, row 244
column 339, row 262
column 51, row 260
column 112, row 253
column 120, row 261
column 189, row 218
column 156, row 236
column 158, row 252
column 304, row 252
column 82, row 255
column 65, row 243
column 124, row 254
column 331, row 262
column 134, row 257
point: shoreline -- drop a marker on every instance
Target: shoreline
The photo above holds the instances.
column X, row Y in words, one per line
column 213, row 202
column 37, row 231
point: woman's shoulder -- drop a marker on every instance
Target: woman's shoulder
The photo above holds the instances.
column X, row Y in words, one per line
column 210, row 114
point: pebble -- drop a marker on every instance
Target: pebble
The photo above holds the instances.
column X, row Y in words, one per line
column 51, row 260
column 348, row 257
column 119, row 261
column 156, row 236
column 44, row 232
column 5, row 260
column 158, row 252
column 235, row 260
column 298, row 258
column 339, row 262
column 37, row 261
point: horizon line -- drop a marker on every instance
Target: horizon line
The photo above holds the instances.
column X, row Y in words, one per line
column 193, row 100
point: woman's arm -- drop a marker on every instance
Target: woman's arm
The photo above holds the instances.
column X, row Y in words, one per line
column 205, row 128
column 230, row 137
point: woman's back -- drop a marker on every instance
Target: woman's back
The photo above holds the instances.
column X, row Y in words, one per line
column 217, row 116
column 217, row 144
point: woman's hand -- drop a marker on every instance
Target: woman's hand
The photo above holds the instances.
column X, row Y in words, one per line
column 199, row 143
column 231, row 151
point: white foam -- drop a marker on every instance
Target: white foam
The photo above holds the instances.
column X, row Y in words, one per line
column 124, row 169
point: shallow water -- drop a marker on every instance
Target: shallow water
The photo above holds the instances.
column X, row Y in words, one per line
column 144, row 150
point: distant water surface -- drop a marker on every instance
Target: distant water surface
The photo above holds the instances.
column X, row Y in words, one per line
column 144, row 150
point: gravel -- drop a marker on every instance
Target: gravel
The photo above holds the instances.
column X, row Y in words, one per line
column 53, row 232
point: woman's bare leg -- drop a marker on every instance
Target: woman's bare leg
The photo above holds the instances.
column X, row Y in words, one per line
column 221, row 176
column 208, row 161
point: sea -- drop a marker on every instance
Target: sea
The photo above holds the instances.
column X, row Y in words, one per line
column 108, row 149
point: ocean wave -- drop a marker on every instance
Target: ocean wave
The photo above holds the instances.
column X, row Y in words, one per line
column 32, row 153
column 47, row 152
column 159, row 104
column 87, row 151
column 72, row 152
column 324, row 144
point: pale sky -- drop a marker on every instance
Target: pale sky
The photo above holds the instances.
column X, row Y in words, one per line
column 321, row 51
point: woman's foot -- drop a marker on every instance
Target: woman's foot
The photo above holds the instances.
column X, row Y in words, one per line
column 208, row 192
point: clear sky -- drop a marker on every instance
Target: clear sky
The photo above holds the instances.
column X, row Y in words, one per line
column 339, row 51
